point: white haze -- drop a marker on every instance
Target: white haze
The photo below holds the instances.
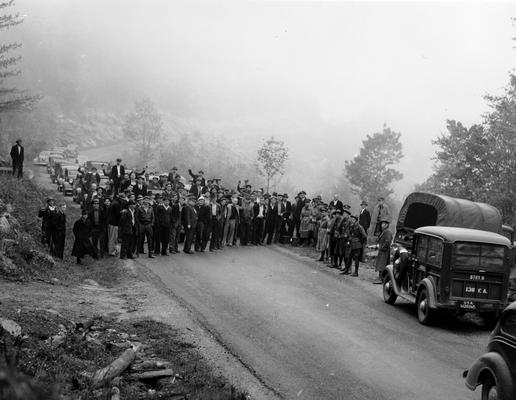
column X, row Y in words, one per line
column 318, row 75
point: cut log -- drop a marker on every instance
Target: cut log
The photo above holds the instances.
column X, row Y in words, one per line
column 100, row 377
column 150, row 365
column 10, row 327
column 152, row 375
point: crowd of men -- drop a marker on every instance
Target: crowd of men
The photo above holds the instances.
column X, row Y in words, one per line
column 133, row 212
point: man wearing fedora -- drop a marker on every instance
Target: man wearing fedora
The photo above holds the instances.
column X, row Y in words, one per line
column 364, row 217
column 17, row 156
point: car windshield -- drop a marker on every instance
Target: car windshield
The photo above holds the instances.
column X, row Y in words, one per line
column 479, row 256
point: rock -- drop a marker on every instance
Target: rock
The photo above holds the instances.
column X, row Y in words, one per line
column 10, row 327
column 91, row 282
column 42, row 260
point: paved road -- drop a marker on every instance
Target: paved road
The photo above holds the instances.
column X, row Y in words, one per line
column 310, row 334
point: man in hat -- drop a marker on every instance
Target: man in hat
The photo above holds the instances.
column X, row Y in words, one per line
column 384, row 249
column 46, row 213
column 336, row 203
column 189, row 217
column 357, row 240
column 199, row 175
column 127, row 230
column 163, row 221
column 98, row 223
column 17, row 156
column 259, row 216
column 117, row 175
column 145, row 218
column 141, row 188
column 296, row 213
column 175, row 223
column 381, row 212
column 82, row 243
column 364, row 217
column 203, row 223
column 173, row 175
column 231, row 220
column 59, row 228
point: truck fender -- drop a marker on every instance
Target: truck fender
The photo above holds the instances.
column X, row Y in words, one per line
column 491, row 364
column 429, row 285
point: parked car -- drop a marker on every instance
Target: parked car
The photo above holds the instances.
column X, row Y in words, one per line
column 444, row 260
column 495, row 370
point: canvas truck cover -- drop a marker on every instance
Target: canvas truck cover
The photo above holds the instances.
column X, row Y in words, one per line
column 426, row 209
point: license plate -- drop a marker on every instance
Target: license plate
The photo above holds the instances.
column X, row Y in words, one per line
column 467, row 305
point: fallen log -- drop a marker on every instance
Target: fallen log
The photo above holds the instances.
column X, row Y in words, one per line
column 152, row 375
column 104, row 375
column 150, row 365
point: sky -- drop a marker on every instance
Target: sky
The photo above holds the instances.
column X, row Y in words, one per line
column 336, row 71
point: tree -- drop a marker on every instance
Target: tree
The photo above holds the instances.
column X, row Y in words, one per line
column 144, row 126
column 479, row 163
column 11, row 98
column 370, row 172
column 271, row 159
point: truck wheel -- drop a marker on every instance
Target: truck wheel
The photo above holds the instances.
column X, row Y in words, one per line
column 489, row 390
column 388, row 291
column 425, row 314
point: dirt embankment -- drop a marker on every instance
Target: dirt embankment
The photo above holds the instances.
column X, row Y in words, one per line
column 59, row 322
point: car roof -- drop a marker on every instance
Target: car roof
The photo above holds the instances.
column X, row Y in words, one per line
column 452, row 234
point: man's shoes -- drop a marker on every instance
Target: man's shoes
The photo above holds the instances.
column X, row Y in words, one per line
column 354, row 274
column 164, row 254
column 188, row 251
column 151, row 256
column 345, row 272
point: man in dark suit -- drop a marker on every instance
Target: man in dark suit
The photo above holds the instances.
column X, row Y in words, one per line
column 202, row 232
column 364, row 218
column 98, row 221
column 296, row 213
column 189, row 217
column 141, row 188
column 337, row 204
column 17, row 155
column 117, row 175
column 127, row 230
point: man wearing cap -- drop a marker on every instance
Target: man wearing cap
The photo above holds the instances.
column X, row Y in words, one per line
column 127, row 230
column 259, row 215
column 384, row 249
column 97, row 218
column 203, row 223
column 173, row 175
column 82, row 243
column 175, row 223
column 163, row 221
column 145, row 218
column 357, row 239
column 189, row 217
column 296, row 213
column 17, row 156
column 117, row 175
column 381, row 212
column 364, row 217
column 199, row 175
column 232, row 216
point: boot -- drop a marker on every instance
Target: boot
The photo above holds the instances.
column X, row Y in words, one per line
column 322, row 257
column 356, row 271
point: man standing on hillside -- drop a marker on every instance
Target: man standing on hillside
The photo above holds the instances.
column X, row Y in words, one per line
column 117, row 174
column 17, row 155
